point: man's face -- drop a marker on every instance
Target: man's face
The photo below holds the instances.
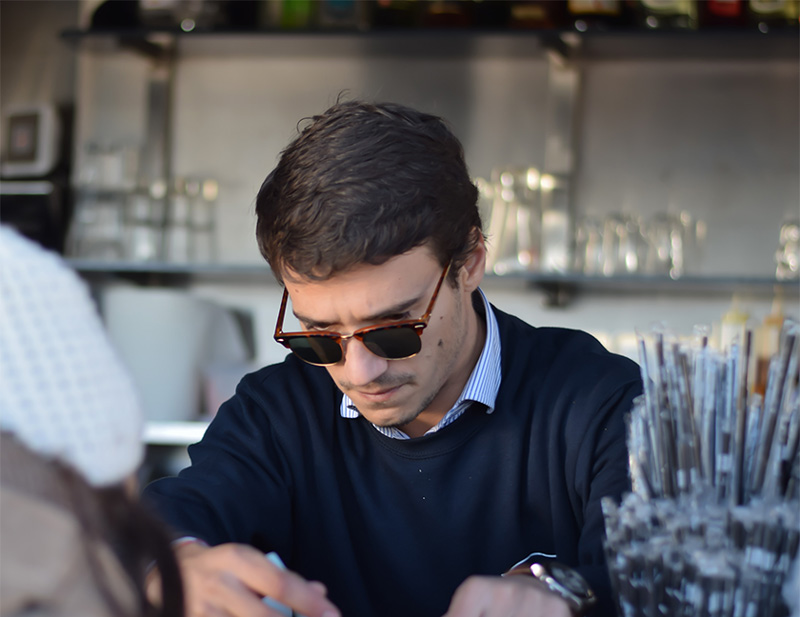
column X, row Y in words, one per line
column 416, row 392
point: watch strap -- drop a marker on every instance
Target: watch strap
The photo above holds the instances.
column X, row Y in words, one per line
column 547, row 572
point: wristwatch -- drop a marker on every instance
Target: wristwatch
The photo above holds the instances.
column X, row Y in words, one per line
column 559, row 579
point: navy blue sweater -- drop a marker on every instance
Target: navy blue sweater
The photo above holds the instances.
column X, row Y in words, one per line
column 393, row 527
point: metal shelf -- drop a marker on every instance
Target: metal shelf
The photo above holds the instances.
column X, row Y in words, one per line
column 561, row 289
column 26, row 187
column 562, row 284
column 160, row 267
column 708, row 282
column 172, row 274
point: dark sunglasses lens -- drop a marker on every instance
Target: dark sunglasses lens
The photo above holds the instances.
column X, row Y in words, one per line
column 393, row 343
column 316, row 349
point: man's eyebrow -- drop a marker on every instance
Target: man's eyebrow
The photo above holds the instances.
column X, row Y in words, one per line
column 400, row 307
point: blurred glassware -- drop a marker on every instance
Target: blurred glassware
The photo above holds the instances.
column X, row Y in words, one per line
column 766, row 342
column 529, row 228
column 178, row 223
column 88, row 174
column 107, row 201
column 557, row 231
column 695, row 231
column 589, row 245
column 677, row 252
column 121, row 216
column 612, row 225
column 191, row 221
column 636, row 247
column 526, row 188
column 787, row 256
column 143, row 227
column 659, row 232
column 96, row 231
column 622, row 245
column 671, row 239
column 188, row 14
column 514, row 220
column 108, row 166
column 733, row 325
column 203, row 219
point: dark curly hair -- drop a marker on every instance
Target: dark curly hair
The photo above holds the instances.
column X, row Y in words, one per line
column 362, row 183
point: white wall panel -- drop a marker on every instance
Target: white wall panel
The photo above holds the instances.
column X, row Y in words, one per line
column 717, row 138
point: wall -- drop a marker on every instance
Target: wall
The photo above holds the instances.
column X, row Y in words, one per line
column 35, row 65
column 715, row 137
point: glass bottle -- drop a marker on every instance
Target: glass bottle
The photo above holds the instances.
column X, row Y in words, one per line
column 488, row 14
column 722, row 14
column 446, row 14
column 557, row 233
column 595, row 14
column 770, row 14
column 178, row 230
column 537, row 15
column 297, row 14
column 667, row 14
column 342, row 14
column 395, row 14
column 767, row 341
column 204, row 196
column 734, row 326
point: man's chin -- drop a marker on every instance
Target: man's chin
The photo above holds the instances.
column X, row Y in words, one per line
column 388, row 417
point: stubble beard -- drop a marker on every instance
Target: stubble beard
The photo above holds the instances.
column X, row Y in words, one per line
column 392, row 381
column 415, row 414
column 459, row 330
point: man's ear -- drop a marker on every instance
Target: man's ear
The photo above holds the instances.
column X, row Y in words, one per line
column 474, row 268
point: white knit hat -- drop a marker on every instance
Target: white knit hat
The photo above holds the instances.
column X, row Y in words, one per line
column 63, row 391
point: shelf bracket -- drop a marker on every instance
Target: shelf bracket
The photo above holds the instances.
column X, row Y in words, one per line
column 556, row 294
column 563, row 90
column 160, row 51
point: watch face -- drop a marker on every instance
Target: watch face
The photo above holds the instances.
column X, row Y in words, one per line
column 570, row 579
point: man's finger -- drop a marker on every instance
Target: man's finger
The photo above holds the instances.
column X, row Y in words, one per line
column 266, row 578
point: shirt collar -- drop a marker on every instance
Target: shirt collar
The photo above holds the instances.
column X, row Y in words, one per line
column 483, row 382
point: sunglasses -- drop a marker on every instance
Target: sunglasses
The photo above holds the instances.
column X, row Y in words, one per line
column 394, row 341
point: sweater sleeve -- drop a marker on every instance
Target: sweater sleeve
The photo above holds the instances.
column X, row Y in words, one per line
column 237, row 480
column 602, row 470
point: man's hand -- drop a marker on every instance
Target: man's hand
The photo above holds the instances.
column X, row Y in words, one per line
column 509, row 596
column 230, row 580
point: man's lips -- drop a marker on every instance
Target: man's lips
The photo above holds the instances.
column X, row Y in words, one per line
column 378, row 395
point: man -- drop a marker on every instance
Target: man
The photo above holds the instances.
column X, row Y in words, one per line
column 418, row 442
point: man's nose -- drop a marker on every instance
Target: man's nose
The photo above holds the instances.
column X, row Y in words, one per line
column 361, row 366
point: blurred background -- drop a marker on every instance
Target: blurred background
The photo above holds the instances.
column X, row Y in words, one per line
column 638, row 160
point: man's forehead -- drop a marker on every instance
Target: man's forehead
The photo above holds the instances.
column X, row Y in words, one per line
column 417, row 255
column 362, row 294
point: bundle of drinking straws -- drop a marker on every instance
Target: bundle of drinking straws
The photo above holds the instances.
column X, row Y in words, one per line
column 712, row 526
